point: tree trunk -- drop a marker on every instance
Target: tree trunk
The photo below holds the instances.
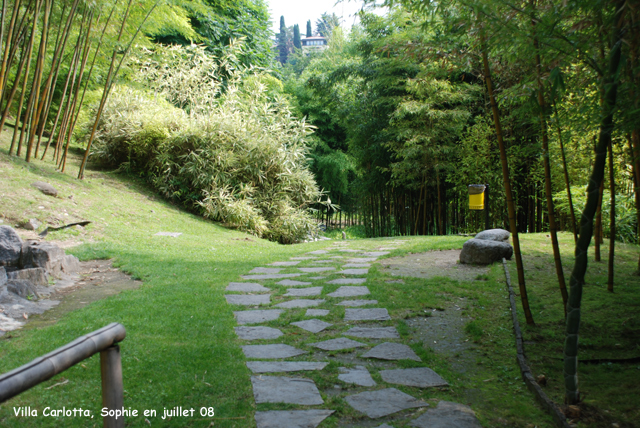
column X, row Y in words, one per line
column 612, row 219
column 610, row 88
column 507, row 185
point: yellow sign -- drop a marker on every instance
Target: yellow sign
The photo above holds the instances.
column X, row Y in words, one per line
column 476, row 196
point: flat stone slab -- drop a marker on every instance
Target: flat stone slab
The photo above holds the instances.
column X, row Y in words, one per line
column 265, row 270
column 255, row 333
column 323, row 261
column 311, row 291
column 338, row 344
column 353, row 272
column 248, row 299
column 303, row 258
column 316, row 277
column 254, row 317
column 362, row 260
column 422, row 377
column 357, row 302
column 300, row 303
column 375, row 253
column 358, row 375
column 348, row 250
column 171, row 234
column 336, row 257
column 291, row 418
column 247, row 287
column 392, row 351
column 350, row 291
column 284, row 366
column 374, row 314
column 384, row 426
column 348, row 281
column 285, row 263
column 448, row 414
column 271, row 352
column 313, row 325
column 292, row 283
column 317, row 312
column 318, row 252
column 373, row 332
column 271, row 276
column 357, row 265
column 376, row 404
column 274, row 389
column 316, row 269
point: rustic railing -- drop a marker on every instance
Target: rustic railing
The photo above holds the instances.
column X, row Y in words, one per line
column 43, row 368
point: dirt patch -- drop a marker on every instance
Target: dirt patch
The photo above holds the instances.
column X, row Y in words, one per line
column 432, row 264
column 97, row 279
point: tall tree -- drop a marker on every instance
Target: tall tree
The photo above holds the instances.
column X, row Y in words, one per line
column 326, row 24
column 283, row 47
column 309, row 32
column 297, row 42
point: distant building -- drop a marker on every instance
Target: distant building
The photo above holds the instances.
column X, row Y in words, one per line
column 314, row 44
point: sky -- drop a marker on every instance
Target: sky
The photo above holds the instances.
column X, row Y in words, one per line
column 300, row 11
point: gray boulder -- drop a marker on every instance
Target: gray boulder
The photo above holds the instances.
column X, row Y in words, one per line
column 499, row 235
column 36, row 276
column 32, row 224
column 3, row 276
column 10, row 247
column 45, row 188
column 484, row 252
column 21, row 287
column 50, row 257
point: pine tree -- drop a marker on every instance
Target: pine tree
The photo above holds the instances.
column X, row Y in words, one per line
column 282, row 42
column 309, row 32
column 296, row 37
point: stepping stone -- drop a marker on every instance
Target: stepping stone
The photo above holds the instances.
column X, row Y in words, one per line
column 347, row 250
column 362, row 260
column 171, row 234
column 303, row 258
column 285, row 263
column 311, row 291
column 350, row 291
column 389, row 248
column 376, row 404
column 247, row 287
column 284, row 366
column 348, row 281
column 324, row 261
column 317, row 313
column 316, row 269
column 248, row 300
column 357, row 302
column 392, row 351
column 448, row 414
column 271, row 276
column 271, row 352
column 318, row 252
column 254, row 317
column 358, row 375
column 375, row 253
column 292, row 283
column 314, row 326
column 384, row 426
column 291, row 418
column 395, row 281
column 274, row 389
column 373, row 332
column 265, row 270
column 316, row 277
column 357, row 265
column 300, row 303
column 353, row 272
column 338, row 344
column 422, row 377
column 255, row 333
column 336, row 257
column 374, row 314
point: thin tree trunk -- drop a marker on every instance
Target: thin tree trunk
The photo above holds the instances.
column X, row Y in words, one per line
column 612, row 219
column 507, row 185
column 3, row 67
column 566, row 175
column 547, row 175
column 16, row 83
column 610, row 88
column 598, row 230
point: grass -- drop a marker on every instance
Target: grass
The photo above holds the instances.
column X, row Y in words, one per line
column 181, row 350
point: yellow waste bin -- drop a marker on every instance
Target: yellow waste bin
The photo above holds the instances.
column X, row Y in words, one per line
column 476, row 196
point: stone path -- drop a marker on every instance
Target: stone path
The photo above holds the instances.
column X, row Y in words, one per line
column 356, row 340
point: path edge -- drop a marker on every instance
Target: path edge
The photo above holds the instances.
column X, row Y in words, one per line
column 548, row 404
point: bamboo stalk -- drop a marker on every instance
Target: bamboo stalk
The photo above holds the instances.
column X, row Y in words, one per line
column 3, row 67
column 612, row 219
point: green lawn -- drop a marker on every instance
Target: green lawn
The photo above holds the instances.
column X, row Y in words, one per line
column 181, row 349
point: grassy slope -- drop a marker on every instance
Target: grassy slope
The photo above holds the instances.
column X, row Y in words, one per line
column 180, row 348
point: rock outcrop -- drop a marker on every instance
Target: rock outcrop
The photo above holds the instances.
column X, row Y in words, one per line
column 487, row 247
